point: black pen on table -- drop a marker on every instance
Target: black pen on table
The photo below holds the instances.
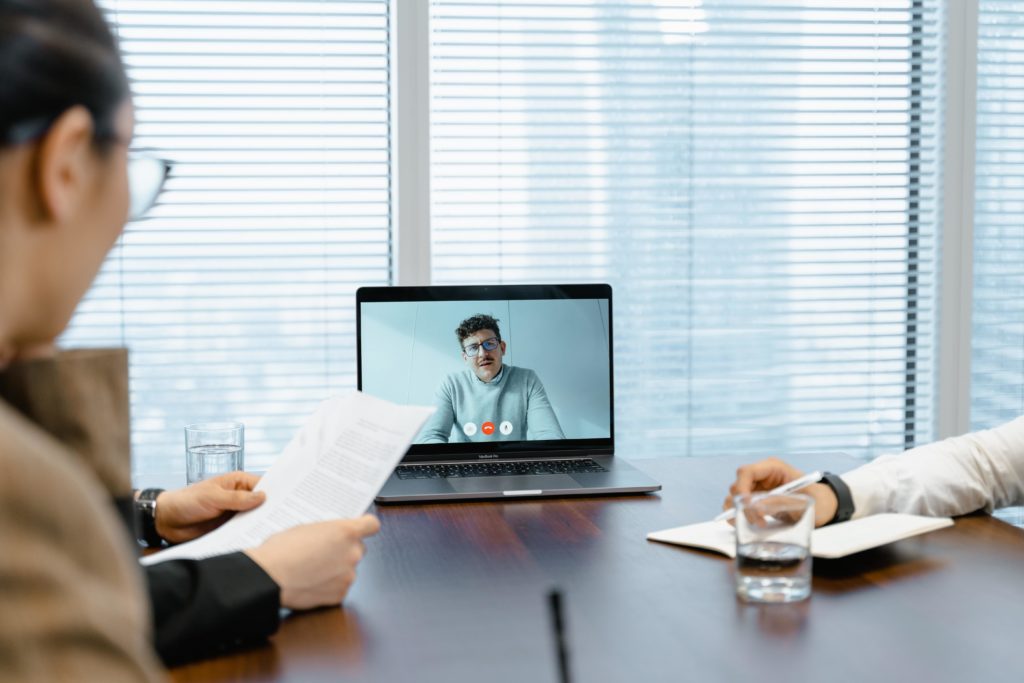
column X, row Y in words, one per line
column 558, row 627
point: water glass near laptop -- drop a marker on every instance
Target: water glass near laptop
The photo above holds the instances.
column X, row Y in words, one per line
column 213, row 448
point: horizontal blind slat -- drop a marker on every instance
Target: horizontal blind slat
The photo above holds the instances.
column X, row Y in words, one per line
column 236, row 294
column 997, row 320
column 704, row 160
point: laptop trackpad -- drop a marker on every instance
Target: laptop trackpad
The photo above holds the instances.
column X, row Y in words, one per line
column 539, row 482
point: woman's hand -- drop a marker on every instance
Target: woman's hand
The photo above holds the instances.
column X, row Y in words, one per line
column 188, row 513
column 315, row 564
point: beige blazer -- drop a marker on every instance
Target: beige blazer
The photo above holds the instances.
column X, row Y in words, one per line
column 72, row 605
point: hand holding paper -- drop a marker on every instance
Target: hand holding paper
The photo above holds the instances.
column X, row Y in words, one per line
column 331, row 470
column 314, row 564
column 188, row 513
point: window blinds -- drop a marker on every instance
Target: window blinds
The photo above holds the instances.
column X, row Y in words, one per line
column 997, row 352
column 756, row 179
column 236, row 295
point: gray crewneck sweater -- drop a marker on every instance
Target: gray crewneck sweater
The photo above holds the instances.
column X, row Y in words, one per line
column 515, row 398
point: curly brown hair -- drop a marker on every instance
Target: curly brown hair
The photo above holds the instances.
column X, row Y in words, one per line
column 476, row 323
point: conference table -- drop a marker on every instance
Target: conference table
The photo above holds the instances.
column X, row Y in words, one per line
column 458, row 592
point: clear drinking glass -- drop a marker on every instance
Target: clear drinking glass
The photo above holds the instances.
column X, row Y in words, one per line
column 213, row 448
column 773, row 546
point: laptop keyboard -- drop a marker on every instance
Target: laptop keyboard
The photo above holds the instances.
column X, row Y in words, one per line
column 498, row 469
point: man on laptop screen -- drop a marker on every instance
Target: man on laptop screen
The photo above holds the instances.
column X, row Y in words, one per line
column 525, row 401
column 489, row 400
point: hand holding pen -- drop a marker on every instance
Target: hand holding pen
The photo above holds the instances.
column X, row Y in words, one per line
column 788, row 487
column 770, row 474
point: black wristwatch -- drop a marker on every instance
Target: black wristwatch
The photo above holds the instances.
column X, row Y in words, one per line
column 844, row 509
column 145, row 505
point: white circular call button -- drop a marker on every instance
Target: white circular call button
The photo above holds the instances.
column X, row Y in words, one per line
column 505, row 428
column 469, row 429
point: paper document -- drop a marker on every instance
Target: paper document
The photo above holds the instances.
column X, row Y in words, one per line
column 830, row 542
column 332, row 469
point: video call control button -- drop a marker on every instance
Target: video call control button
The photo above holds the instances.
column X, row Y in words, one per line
column 487, row 428
column 505, row 428
column 469, row 429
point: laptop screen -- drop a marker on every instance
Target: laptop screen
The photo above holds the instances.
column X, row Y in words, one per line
column 510, row 369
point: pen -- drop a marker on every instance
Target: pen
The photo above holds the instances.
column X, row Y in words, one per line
column 806, row 480
column 558, row 626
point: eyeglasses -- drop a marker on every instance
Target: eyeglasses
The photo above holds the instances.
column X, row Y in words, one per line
column 147, row 172
column 488, row 345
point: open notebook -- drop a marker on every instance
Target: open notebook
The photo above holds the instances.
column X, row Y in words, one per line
column 830, row 542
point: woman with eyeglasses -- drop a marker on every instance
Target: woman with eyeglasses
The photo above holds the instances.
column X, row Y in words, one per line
column 74, row 604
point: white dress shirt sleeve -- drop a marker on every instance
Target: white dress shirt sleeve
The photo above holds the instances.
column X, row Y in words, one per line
column 980, row 470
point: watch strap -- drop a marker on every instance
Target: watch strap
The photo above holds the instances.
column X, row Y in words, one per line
column 844, row 508
column 145, row 505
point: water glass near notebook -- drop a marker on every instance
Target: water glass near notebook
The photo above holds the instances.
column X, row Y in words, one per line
column 773, row 543
column 773, row 546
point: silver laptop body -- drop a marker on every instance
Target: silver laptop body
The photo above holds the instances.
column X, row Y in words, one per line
column 525, row 410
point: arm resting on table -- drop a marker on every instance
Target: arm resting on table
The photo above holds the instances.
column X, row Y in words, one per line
column 981, row 470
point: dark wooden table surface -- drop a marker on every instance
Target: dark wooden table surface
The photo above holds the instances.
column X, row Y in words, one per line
column 456, row 592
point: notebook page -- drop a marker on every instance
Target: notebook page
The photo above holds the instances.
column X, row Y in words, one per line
column 837, row 540
column 840, row 540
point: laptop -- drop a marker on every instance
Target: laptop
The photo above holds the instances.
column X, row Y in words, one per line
column 522, row 379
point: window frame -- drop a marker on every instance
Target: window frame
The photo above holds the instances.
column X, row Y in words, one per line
column 412, row 231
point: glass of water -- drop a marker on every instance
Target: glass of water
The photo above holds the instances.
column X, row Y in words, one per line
column 773, row 546
column 213, row 448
